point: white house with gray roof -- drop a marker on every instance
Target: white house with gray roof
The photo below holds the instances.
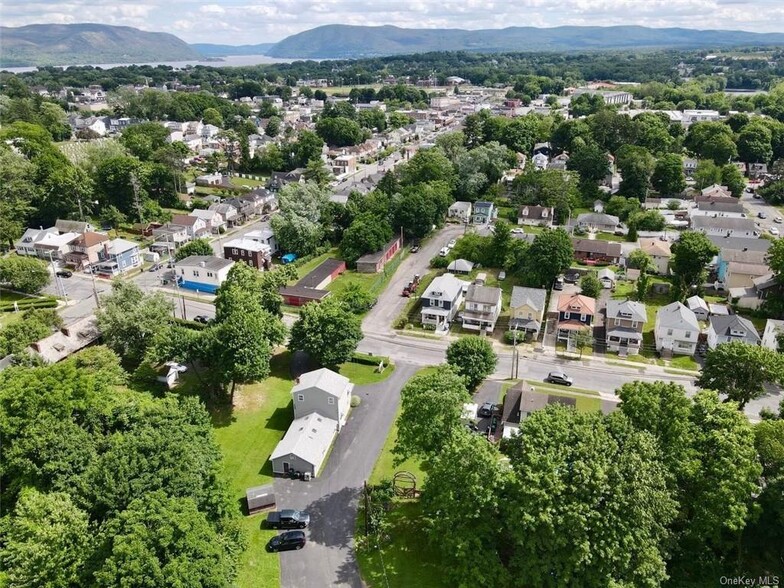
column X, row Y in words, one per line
column 676, row 330
column 305, row 445
column 773, row 328
column 526, row 308
column 597, row 221
column 204, row 273
column 731, row 328
column 441, row 301
column 624, row 325
column 325, row 392
column 724, row 225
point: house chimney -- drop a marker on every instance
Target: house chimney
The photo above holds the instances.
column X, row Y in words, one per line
column 202, row 264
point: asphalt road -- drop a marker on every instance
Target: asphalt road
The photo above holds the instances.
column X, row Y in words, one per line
column 331, row 499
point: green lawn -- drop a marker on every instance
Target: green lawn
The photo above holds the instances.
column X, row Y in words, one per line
column 584, row 402
column 259, row 420
column 236, row 181
column 360, row 373
column 684, row 362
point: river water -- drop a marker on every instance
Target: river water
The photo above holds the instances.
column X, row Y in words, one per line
column 228, row 61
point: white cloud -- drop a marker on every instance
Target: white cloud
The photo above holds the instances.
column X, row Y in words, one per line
column 258, row 21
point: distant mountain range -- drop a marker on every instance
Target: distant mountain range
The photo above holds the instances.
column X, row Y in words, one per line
column 345, row 41
column 211, row 50
column 49, row 44
column 72, row 44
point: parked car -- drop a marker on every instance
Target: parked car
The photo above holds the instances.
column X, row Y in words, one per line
column 501, row 276
column 64, row 273
column 757, row 196
column 559, row 283
column 773, row 231
column 486, row 410
column 762, row 215
column 572, row 277
column 287, row 541
column 518, row 230
column 201, row 318
column 288, row 519
column 444, row 251
column 155, row 267
column 559, row 378
column 778, row 220
column 415, row 248
column 452, row 243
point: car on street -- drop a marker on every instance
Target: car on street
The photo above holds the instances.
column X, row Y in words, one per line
column 778, row 220
column 155, row 267
column 288, row 519
column 559, row 378
column 444, row 251
column 63, row 273
column 761, row 214
column 486, row 410
column 201, row 318
column 773, row 231
column 287, row 541
column 452, row 243
column 415, row 248
column 757, row 196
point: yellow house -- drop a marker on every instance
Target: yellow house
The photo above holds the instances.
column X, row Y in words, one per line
column 527, row 310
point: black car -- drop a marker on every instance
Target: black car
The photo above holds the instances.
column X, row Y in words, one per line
column 288, row 519
column 202, row 318
column 559, row 378
column 155, row 267
column 415, row 248
column 287, row 541
column 486, row 410
column 64, row 273
column 762, row 215
column 572, row 277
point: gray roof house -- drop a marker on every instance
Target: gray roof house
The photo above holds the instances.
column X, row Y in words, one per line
column 482, row 307
column 305, row 445
column 527, row 307
column 699, row 307
column 325, row 392
column 460, row 266
column 676, row 330
column 624, row 325
column 597, row 221
column 770, row 337
column 724, row 225
column 729, row 328
column 441, row 301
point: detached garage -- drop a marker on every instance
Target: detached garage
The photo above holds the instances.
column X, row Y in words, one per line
column 305, row 445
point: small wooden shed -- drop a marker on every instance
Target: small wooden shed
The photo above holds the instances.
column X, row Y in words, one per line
column 260, row 498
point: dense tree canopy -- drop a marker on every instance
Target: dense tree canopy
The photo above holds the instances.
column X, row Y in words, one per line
column 326, row 331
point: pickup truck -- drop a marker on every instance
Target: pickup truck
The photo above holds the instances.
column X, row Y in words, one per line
column 288, row 519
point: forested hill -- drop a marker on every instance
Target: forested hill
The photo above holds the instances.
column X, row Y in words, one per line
column 344, row 41
column 73, row 44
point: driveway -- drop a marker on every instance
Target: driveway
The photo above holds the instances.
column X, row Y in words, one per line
column 331, row 499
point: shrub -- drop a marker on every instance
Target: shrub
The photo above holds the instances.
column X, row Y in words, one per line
column 439, row 262
column 355, row 401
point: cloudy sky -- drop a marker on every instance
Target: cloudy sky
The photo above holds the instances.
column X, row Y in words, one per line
column 237, row 22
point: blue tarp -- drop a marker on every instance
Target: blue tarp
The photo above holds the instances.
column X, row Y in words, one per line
column 288, row 258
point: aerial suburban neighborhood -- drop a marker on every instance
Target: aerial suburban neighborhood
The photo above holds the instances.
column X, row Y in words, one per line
column 443, row 319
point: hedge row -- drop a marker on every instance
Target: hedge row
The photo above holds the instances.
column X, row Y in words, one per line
column 28, row 303
column 366, row 359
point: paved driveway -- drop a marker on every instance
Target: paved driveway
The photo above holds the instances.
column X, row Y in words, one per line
column 328, row 559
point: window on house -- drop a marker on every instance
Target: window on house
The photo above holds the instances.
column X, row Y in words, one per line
column 530, row 316
column 195, row 273
column 210, row 275
column 331, row 400
column 566, row 316
column 300, row 398
column 583, row 318
column 234, row 251
column 634, row 324
column 688, row 334
column 617, row 322
column 669, row 332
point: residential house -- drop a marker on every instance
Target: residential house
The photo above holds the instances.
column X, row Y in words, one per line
column 521, row 401
column 227, row 211
column 67, row 340
column 246, row 209
column 527, row 307
column 324, row 392
column 305, row 445
column 714, row 190
column 311, row 287
column 597, row 221
column 460, row 211
column 742, row 275
column 212, row 219
column 535, row 215
column 731, row 328
column 689, row 166
column 543, row 148
column 254, row 253
column 659, row 251
column 343, row 165
column 758, row 171
column 754, row 296
column 770, row 337
column 596, row 250
column 734, row 253
column 215, row 179
column 722, row 225
column 279, row 179
column 484, row 212
column 195, row 226
column 441, row 301
column 719, row 207
column 699, row 307
column 607, row 277
column 460, row 266
column 265, row 236
column 559, row 162
column 741, row 167
column 624, row 325
column 26, row 243
column 203, row 273
column 676, row 330
column 540, row 161
column 575, row 313
column 84, row 250
column 372, row 263
column 169, row 238
column 72, row 226
column 482, row 308
column 117, row 257
column 51, row 245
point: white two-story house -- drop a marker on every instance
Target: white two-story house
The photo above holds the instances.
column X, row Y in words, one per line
column 441, row 301
column 676, row 330
column 482, row 308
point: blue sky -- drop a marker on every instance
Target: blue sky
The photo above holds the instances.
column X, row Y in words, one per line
column 237, row 22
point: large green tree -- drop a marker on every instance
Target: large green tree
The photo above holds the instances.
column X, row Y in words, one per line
column 430, row 412
column 740, row 370
column 428, row 165
column 195, row 247
column 26, row 274
column 636, row 165
column 367, row 233
column 668, row 178
column 18, row 191
column 550, row 254
column 690, row 254
column 589, row 501
column 326, row 331
column 473, row 358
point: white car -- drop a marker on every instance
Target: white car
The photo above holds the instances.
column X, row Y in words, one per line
column 452, row 243
column 777, row 220
column 518, row 231
column 773, row 231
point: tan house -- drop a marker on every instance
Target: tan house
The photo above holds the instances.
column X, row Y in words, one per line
column 659, row 251
column 527, row 310
column 742, row 275
column 625, row 322
column 85, row 249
